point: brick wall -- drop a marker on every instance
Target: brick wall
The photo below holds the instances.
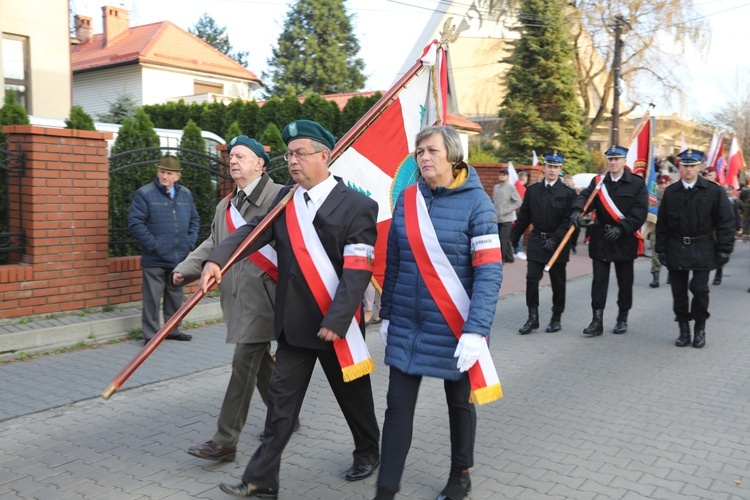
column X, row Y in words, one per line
column 64, row 192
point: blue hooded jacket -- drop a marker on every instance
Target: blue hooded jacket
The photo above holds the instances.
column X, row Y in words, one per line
column 420, row 341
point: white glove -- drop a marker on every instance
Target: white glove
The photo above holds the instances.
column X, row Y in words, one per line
column 468, row 350
column 384, row 331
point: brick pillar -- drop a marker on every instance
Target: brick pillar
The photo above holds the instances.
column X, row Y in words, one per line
column 65, row 189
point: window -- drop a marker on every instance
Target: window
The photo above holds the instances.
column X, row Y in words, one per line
column 207, row 88
column 16, row 67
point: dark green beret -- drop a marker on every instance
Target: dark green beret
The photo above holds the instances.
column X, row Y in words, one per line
column 252, row 144
column 308, row 129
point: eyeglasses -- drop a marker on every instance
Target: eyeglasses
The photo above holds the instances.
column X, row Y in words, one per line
column 300, row 155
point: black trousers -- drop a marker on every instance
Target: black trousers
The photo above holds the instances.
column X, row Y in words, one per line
column 698, row 285
column 286, row 391
column 399, row 424
column 506, row 246
column 600, row 284
column 557, row 277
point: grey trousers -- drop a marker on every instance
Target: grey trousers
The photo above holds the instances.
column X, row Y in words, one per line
column 155, row 285
column 252, row 364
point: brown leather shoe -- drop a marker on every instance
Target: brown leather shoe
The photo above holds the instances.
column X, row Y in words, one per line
column 212, row 451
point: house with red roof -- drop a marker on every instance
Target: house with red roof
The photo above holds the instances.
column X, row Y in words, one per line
column 153, row 64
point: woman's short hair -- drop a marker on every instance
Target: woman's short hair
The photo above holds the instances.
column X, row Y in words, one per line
column 450, row 138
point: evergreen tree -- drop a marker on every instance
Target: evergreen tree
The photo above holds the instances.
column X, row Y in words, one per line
column 207, row 30
column 317, row 52
column 79, row 119
column 325, row 112
column 135, row 134
column 277, row 169
column 541, row 110
column 233, row 131
column 122, row 108
column 197, row 177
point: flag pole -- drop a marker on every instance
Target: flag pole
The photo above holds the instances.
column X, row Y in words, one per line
column 592, row 196
column 170, row 325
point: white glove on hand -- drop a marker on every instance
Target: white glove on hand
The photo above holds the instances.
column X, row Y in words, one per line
column 468, row 350
column 384, row 331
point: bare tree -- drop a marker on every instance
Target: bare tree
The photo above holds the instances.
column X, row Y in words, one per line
column 657, row 32
column 734, row 116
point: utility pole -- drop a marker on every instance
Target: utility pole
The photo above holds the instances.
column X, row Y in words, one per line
column 617, row 76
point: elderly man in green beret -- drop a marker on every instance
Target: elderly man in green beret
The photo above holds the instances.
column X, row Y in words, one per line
column 327, row 231
column 246, row 292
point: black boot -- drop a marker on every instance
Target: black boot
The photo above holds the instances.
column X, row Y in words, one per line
column 596, row 327
column 655, row 282
column 699, row 335
column 718, row 275
column 458, row 487
column 684, row 334
column 532, row 323
column 622, row 323
column 554, row 324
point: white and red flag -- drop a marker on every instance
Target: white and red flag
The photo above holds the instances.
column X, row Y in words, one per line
column 376, row 157
column 639, row 151
column 513, row 178
column 736, row 163
column 534, row 158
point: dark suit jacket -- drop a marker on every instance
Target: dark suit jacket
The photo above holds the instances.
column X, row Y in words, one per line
column 345, row 217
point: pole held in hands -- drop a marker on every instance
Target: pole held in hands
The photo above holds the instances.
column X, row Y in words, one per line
column 170, row 325
column 590, row 200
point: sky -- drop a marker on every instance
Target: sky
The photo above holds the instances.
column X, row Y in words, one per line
column 388, row 29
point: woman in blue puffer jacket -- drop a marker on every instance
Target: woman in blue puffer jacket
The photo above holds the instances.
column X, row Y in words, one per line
column 457, row 235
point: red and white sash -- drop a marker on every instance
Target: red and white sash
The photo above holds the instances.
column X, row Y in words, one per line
column 446, row 289
column 615, row 213
column 265, row 258
column 322, row 279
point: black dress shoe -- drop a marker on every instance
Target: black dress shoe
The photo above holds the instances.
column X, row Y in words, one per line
column 212, row 451
column 180, row 336
column 359, row 472
column 458, row 487
column 249, row 490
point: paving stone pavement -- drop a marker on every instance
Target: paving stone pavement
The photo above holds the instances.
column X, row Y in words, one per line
column 612, row 417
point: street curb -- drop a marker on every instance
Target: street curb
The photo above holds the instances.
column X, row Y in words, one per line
column 49, row 335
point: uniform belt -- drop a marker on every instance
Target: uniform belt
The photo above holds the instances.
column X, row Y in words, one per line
column 544, row 235
column 689, row 240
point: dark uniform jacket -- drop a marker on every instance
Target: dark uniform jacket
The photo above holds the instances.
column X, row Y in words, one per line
column 630, row 196
column 548, row 210
column 345, row 217
column 702, row 212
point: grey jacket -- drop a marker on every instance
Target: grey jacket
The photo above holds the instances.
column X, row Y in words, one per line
column 247, row 292
column 506, row 199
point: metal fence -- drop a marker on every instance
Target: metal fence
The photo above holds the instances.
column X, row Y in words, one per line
column 202, row 173
column 11, row 173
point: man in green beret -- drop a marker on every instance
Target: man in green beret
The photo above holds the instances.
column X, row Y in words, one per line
column 246, row 292
column 324, row 241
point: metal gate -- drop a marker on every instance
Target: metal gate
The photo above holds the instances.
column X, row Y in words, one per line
column 206, row 175
column 12, row 237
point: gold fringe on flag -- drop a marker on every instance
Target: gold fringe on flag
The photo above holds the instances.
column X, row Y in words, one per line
column 358, row 370
column 486, row 394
